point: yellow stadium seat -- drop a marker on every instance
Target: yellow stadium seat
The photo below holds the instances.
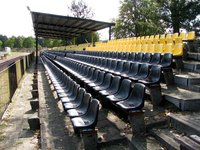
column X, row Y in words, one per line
column 151, row 48
column 144, row 48
column 178, row 40
column 133, row 47
column 178, row 49
column 168, row 48
column 174, row 36
column 138, row 41
column 183, row 36
column 168, row 36
column 133, row 40
column 151, row 37
column 191, row 36
column 138, row 48
column 169, row 40
column 155, row 41
column 159, row 48
column 150, row 41
column 162, row 39
column 157, row 37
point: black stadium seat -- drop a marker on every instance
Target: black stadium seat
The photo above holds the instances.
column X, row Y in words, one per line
column 82, row 109
column 89, row 119
column 76, row 102
column 122, row 93
column 135, row 101
column 154, row 76
column 142, row 73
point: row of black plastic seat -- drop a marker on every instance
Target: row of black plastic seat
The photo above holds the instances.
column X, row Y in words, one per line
column 79, row 105
column 155, row 58
column 136, row 72
column 109, row 89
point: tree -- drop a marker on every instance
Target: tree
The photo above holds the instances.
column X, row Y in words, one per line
column 1, row 43
column 29, row 42
column 3, row 38
column 138, row 18
column 10, row 42
column 180, row 14
column 48, row 43
column 81, row 10
column 19, row 42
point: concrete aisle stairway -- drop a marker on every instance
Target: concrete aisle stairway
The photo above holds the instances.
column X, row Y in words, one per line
column 183, row 126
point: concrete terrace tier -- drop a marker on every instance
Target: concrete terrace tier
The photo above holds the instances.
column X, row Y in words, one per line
column 192, row 66
column 186, row 122
column 183, row 99
column 186, row 79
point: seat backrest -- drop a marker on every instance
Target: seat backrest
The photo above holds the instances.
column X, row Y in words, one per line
column 137, row 96
column 124, row 88
column 138, row 57
column 126, row 67
column 166, row 60
column 95, row 75
column 147, row 57
column 107, row 80
column 86, row 101
column 119, row 66
column 81, row 92
column 114, row 86
column 100, row 77
column 155, row 73
column 131, row 56
column 134, row 68
column 155, row 58
column 143, row 70
column 113, row 64
column 92, row 113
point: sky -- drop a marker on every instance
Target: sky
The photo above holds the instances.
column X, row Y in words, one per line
column 16, row 19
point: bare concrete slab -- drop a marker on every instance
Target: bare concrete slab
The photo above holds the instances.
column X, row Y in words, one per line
column 192, row 65
column 188, row 123
column 187, row 79
column 183, row 99
column 14, row 130
column 143, row 143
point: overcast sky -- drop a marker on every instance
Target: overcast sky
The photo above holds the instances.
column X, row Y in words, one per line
column 16, row 19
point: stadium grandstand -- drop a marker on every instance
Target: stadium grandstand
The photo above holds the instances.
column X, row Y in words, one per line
column 133, row 93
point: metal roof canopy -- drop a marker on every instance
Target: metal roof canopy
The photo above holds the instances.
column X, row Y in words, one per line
column 64, row 27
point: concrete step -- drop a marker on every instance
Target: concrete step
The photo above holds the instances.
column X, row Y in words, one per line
column 193, row 55
column 193, row 66
column 188, row 123
column 166, row 137
column 143, row 143
column 186, row 79
column 195, row 88
column 183, row 99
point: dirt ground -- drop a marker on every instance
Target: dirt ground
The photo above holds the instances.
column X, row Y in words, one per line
column 14, row 130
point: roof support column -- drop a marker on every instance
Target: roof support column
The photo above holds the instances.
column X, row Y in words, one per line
column 110, row 33
column 74, row 41
column 92, row 38
column 36, row 45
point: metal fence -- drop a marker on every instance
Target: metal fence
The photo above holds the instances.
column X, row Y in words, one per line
column 10, row 78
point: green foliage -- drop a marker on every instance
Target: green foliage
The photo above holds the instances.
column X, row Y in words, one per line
column 87, row 38
column 29, row 42
column 81, row 10
column 19, row 42
column 180, row 14
column 1, row 43
column 138, row 18
column 10, row 42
